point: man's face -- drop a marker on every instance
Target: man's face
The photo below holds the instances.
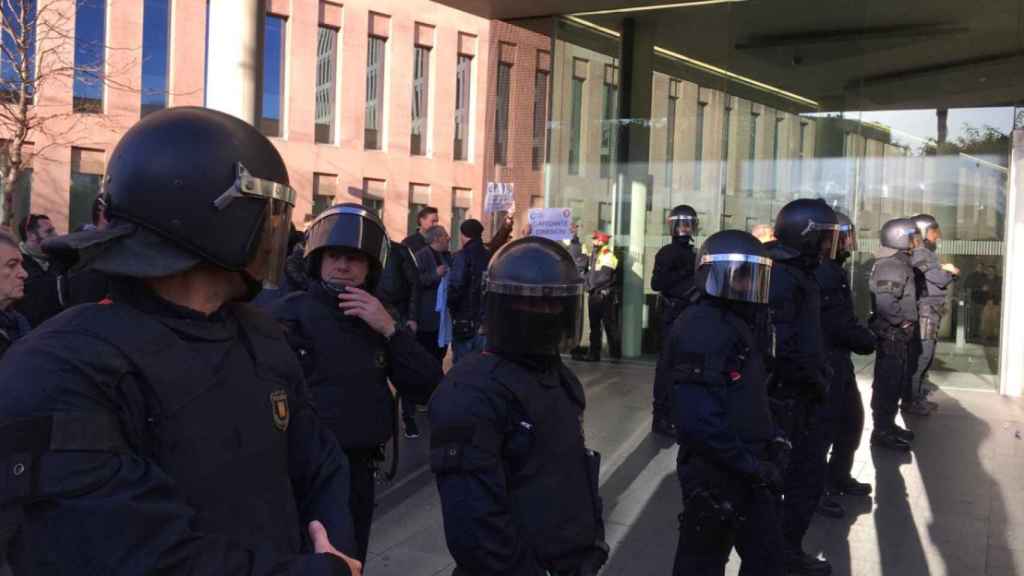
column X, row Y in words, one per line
column 441, row 243
column 344, row 267
column 427, row 221
column 934, row 235
column 44, row 229
column 12, row 275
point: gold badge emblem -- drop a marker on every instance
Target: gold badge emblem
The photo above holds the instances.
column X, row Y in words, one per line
column 279, row 404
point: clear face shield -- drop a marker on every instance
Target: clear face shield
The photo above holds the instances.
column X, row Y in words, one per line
column 683, row 225
column 267, row 261
column 847, row 238
column 828, row 237
column 739, row 277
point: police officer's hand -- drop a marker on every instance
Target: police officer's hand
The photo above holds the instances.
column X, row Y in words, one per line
column 322, row 545
column 366, row 307
column 951, row 269
column 412, row 325
column 769, row 476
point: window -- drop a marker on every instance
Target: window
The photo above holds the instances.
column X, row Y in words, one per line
column 463, row 77
column 90, row 44
column 325, row 186
column 86, row 177
column 375, row 205
column 273, row 76
column 458, row 217
column 575, row 127
column 604, row 217
column 501, row 114
column 374, row 93
column 775, row 152
column 751, row 153
column 670, row 133
column 420, row 100
column 18, row 64
column 414, row 222
column 611, row 93
column 698, row 152
column 726, row 118
column 326, row 84
column 540, row 117
column 156, row 15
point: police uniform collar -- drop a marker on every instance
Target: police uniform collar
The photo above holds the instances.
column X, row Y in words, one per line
column 542, row 367
column 187, row 323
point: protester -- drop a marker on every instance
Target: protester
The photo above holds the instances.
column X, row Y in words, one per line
column 465, row 291
column 12, row 288
column 42, row 296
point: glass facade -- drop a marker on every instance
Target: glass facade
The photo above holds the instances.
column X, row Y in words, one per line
column 420, row 100
column 156, row 30
column 738, row 149
column 90, row 55
column 271, row 108
column 374, row 127
column 326, row 84
column 463, row 88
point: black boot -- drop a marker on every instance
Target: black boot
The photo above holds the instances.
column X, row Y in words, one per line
column 889, row 440
column 830, row 508
column 903, row 434
column 664, row 427
column 804, row 564
column 851, row 487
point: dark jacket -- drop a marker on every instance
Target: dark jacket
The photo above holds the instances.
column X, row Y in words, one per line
column 518, row 487
column 795, row 302
column 674, row 267
column 415, row 242
column 843, row 332
column 603, row 274
column 399, row 285
column 581, row 260
column 13, row 326
column 347, row 366
column 721, row 403
column 171, row 426
column 42, row 299
column 934, row 281
column 893, row 294
column 465, row 285
column 428, row 319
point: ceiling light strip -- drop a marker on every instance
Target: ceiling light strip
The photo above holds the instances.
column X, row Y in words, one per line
column 657, row 7
column 705, row 66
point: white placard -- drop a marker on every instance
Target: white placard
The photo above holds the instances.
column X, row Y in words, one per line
column 552, row 223
column 500, row 197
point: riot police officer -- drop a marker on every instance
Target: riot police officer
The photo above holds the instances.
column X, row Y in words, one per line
column 349, row 346
column 730, row 451
column 168, row 430
column 518, row 486
column 894, row 322
column 673, row 278
column 843, row 335
column 805, row 229
column 934, row 280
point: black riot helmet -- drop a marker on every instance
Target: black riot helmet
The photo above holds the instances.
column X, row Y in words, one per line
column 733, row 265
column 926, row 223
column 900, row 234
column 534, row 296
column 189, row 185
column 847, row 237
column 683, row 221
column 808, row 226
column 348, row 226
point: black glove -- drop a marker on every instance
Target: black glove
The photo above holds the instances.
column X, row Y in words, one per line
column 769, row 476
column 593, row 562
column 778, row 452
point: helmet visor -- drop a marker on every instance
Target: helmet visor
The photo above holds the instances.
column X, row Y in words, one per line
column 740, row 277
column 828, row 237
column 847, row 238
column 268, row 261
column 683, row 225
column 353, row 227
column 532, row 325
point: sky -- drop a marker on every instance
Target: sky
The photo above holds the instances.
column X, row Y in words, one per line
column 913, row 124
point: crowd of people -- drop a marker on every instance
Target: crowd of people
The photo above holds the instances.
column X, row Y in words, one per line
column 192, row 386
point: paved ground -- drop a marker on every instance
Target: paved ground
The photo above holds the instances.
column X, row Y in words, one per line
column 954, row 507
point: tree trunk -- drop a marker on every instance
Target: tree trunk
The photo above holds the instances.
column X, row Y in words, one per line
column 9, row 178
